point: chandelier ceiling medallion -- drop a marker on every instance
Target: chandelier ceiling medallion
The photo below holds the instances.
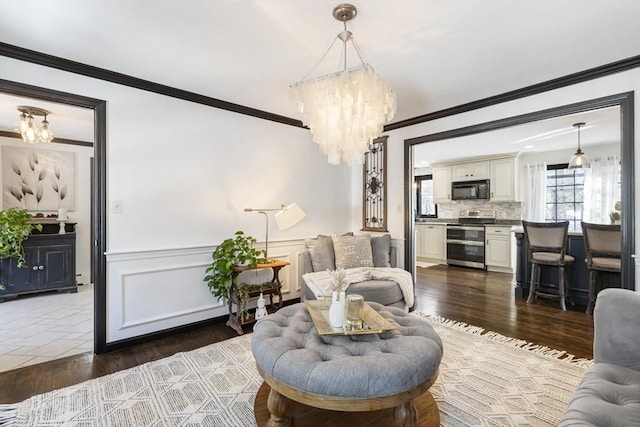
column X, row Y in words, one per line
column 579, row 160
column 347, row 109
column 28, row 130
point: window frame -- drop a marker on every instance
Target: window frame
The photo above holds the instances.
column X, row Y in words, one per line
column 574, row 224
column 418, row 195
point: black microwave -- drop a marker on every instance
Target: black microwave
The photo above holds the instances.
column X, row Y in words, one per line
column 470, row 190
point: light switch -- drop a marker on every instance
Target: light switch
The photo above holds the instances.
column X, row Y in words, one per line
column 116, row 206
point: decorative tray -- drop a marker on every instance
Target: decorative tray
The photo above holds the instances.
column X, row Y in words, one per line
column 372, row 322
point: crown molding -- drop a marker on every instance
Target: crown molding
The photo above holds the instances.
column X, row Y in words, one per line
column 63, row 64
column 571, row 79
column 59, row 63
column 56, row 140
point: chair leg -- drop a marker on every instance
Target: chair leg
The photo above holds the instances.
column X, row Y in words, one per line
column 561, row 287
column 592, row 290
column 568, row 271
column 532, row 283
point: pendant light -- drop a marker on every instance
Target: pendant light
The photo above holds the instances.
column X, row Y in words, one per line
column 579, row 160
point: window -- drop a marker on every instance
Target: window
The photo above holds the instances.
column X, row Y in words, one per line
column 425, row 207
column 565, row 195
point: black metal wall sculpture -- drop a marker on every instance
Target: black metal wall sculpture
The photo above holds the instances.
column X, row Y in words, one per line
column 374, row 192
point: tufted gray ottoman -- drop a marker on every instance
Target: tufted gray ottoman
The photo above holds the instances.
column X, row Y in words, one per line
column 346, row 373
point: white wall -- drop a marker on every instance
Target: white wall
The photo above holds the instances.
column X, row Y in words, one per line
column 609, row 85
column 81, row 214
column 184, row 173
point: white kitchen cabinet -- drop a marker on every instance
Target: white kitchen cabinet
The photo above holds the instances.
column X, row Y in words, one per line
column 469, row 171
column 431, row 242
column 504, row 180
column 441, row 184
column 418, row 240
column 499, row 248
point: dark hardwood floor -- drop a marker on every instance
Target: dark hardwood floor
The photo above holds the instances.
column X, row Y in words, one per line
column 466, row 295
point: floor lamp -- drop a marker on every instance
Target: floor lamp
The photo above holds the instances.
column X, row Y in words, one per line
column 286, row 216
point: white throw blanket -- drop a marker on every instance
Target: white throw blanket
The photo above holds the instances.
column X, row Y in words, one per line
column 320, row 281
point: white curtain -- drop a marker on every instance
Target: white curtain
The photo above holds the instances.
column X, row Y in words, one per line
column 535, row 189
column 601, row 189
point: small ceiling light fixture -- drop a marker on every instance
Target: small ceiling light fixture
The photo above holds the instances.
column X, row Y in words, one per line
column 28, row 130
column 579, row 160
column 347, row 109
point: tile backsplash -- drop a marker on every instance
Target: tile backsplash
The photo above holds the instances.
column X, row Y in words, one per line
column 504, row 210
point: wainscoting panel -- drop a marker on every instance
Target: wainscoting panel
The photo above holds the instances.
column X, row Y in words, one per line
column 150, row 291
column 166, row 283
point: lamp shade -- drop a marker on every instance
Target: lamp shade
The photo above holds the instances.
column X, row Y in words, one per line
column 289, row 216
column 579, row 161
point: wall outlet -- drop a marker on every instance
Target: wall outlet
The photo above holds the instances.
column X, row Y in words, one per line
column 116, row 206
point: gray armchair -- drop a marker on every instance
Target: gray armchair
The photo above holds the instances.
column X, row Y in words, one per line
column 609, row 394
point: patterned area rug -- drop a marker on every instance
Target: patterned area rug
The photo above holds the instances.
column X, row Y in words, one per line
column 485, row 380
column 424, row 264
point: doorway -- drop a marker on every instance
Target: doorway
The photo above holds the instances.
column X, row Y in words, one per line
column 625, row 103
column 98, row 193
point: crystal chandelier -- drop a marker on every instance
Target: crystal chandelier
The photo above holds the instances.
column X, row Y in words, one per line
column 579, row 160
column 347, row 109
column 28, row 130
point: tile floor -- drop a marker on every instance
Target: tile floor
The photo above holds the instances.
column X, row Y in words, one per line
column 41, row 327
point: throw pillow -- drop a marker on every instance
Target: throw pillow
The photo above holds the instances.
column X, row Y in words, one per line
column 322, row 253
column 381, row 248
column 353, row 251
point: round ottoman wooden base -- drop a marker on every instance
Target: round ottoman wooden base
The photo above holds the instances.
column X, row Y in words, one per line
column 309, row 416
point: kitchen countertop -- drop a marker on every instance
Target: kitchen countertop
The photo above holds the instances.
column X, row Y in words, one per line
column 499, row 222
column 571, row 233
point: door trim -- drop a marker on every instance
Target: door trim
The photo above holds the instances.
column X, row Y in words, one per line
column 623, row 100
column 99, row 196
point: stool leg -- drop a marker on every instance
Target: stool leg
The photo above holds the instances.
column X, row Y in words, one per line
column 406, row 415
column 277, row 405
column 532, row 283
column 561, row 287
column 568, row 274
column 592, row 290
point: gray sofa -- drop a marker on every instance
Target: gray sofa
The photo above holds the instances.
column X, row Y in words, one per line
column 609, row 393
column 319, row 256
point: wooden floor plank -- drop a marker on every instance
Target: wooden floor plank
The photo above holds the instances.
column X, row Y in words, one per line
column 463, row 294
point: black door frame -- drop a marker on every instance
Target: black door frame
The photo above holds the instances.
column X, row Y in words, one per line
column 623, row 100
column 99, row 193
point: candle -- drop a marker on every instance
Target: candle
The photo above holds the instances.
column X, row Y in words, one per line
column 62, row 214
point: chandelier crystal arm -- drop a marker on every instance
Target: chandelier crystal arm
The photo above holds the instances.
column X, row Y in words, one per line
column 320, row 61
column 358, row 51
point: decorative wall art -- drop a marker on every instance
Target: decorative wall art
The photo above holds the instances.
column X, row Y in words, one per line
column 374, row 200
column 38, row 180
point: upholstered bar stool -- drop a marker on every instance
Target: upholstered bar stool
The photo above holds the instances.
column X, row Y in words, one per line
column 602, row 244
column 547, row 243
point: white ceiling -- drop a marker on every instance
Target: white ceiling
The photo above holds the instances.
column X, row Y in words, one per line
column 601, row 127
column 65, row 121
column 435, row 54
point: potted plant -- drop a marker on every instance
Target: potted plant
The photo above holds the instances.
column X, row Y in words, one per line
column 233, row 253
column 15, row 227
column 615, row 215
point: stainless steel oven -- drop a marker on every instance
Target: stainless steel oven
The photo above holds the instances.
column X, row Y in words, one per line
column 465, row 245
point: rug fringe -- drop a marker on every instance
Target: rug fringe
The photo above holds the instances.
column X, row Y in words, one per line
column 503, row 339
column 8, row 414
column 453, row 324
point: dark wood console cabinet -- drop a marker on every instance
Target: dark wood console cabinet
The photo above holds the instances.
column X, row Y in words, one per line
column 51, row 260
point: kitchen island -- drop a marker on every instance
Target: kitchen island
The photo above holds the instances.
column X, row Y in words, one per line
column 578, row 272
